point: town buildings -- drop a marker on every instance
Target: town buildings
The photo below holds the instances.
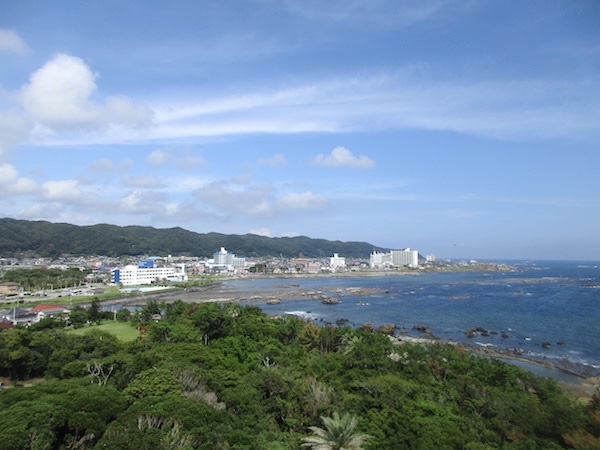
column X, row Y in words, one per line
column 28, row 316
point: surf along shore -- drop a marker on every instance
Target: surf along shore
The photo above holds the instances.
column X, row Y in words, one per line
column 570, row 378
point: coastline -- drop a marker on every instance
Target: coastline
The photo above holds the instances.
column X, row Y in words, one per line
column 578, row 382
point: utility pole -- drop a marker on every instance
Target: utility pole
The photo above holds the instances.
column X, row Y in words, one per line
column 15, row 307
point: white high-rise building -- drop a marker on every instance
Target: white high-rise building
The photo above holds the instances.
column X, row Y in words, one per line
column 406, row 257
column 379, row 260
column 228, row 261
column 395, row 258
column 223, row 258
column 337, row 262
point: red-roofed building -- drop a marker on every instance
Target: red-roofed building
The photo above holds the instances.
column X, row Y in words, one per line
column 45, row 310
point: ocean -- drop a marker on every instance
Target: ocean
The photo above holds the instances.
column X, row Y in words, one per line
column 546, row 310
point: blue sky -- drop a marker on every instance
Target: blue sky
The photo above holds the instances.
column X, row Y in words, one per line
column 467, row 129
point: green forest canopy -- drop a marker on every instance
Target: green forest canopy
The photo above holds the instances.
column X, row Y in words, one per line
column 46, row 239
column 226, row 376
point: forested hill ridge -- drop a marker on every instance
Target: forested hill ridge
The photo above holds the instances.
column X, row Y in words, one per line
column 47, row 239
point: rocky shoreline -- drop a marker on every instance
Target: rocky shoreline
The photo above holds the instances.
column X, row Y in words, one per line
column 588, row 381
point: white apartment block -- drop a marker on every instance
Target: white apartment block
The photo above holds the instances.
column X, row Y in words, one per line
column 136, row 275
column 337, row 262
column 406, row 257
column 380, row 260
column 395, row 258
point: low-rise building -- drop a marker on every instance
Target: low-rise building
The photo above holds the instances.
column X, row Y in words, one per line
column 44, row 310
column 146, row 273
column 19, row 316
column 9, row 287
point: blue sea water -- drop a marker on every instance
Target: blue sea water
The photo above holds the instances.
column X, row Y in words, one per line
column 548, row 310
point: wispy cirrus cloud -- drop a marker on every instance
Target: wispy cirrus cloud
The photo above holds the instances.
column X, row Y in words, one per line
column 504, row 109
column 497, row 108
column 374, row 12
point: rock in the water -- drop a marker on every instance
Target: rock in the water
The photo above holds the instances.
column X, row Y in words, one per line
column 422, row 329
column 387, row 328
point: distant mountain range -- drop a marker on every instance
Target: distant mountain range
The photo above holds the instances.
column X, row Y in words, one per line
column 47, row 239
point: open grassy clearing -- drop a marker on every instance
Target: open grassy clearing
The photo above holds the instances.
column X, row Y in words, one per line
column 124, row 331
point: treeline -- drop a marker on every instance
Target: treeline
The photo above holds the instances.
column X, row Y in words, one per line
column 46, row 239
column 212, row 376
column 36, row 279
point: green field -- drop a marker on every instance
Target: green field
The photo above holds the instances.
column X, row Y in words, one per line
column 122, row 330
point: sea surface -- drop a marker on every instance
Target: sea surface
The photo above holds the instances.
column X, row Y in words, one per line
column 545, row 310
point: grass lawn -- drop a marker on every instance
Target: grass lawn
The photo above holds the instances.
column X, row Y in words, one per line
column 122, row 330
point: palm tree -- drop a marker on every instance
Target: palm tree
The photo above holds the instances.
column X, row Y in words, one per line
column 339, row 434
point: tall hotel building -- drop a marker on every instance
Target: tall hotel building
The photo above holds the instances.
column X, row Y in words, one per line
column 406, row 257
column 395, row 258
column 225, row 260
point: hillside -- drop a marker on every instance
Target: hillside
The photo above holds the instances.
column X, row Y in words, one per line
column 47, row 239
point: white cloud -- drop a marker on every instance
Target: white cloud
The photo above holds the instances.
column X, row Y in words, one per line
column 11, row 42
column 59, row 95
column 342, row 157
column 62, row 190
column 158, row 158
column 304, row 200
column 237, row 197
column 531, row 108
column 184, row 184
column 242, row 198
column 191, row 162
column 44, row 211
column 12, row 184
column 103, row 165
column 277, row 160
column 368, row 14
column 261, row 232
column 142, row 181
column 13, row 129
column 141, row 202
